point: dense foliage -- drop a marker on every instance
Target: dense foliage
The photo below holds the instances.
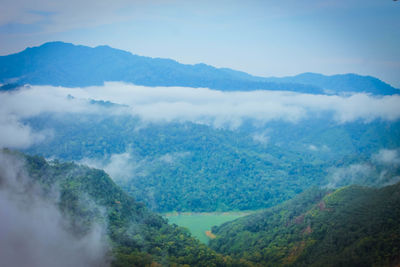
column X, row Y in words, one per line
column 185, row 167
column 193, row 167
column 351, row 226
column 138, row 236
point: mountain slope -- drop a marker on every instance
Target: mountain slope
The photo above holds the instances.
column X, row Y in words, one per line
column 352, row 226
column 64, row 64
column 88, row 197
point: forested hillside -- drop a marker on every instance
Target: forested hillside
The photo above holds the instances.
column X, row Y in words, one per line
column 351, row 226
column 88, row 198
column 194, row 167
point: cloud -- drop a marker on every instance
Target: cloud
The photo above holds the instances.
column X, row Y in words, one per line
column 387, row 157
column 219, row 108
column 55, row 16
column 261, row 137
column 120, row 167
column 125, row 166
column 352, row 174
column 31, row 101
column 201, row 104
column 18, row 135
column 198, row 105
column 392, row 181
column 34, row 232
column 315, row 148
column 61, row 16
column 380, row 170
column 312, row 147
column 171, row 158
column 28, row 102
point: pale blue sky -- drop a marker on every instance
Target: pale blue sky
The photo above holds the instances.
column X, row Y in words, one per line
column 266, row 38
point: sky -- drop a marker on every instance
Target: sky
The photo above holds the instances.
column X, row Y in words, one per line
column 265, row 38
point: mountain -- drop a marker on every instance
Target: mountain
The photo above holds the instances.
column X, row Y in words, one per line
column 351, row 226
column 87, row 198
column 64, row 64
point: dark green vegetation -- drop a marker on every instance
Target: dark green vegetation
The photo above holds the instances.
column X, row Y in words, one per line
column 63, row 64
column 138, row 237
column 185, row 167
column 351, row 226
column 191, row 167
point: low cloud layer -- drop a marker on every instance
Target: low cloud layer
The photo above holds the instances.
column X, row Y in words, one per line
column 199, row 105
column 34, row 232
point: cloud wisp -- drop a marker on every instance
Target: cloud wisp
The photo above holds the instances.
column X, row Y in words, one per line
column 382, row 169
column 121, row 167
column 388, row 157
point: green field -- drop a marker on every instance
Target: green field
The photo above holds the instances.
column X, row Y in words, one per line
column 199, row 223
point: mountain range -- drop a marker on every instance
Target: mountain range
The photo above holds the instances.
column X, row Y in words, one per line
column 65, row 64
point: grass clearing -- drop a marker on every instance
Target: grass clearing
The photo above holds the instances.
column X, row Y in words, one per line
column 199, row 223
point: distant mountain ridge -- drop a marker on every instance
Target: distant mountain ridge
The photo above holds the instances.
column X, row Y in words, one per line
column 339, row 83
column 65, row 64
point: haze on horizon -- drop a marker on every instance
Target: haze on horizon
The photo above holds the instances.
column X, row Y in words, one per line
column 265, row 38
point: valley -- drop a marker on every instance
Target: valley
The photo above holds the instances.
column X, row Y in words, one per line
column 150, row 162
